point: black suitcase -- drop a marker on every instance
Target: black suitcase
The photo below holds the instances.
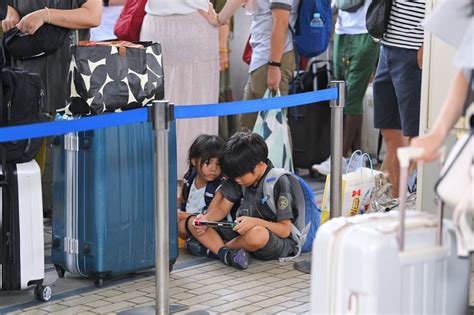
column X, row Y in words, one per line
column 310, row 124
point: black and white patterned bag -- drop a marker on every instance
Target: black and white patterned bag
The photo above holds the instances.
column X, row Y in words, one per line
column 114, row 76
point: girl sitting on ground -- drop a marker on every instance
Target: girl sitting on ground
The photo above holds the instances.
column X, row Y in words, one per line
column 200, row 182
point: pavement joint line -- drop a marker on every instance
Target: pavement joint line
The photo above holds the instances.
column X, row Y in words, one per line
column 92, row 287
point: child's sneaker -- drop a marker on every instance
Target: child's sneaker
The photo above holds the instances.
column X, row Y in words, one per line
column 194, row 247
column 238, row 258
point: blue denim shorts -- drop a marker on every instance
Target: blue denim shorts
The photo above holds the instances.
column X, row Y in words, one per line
column 397, row 91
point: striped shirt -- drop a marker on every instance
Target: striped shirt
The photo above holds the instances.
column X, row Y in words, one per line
column 404, row 27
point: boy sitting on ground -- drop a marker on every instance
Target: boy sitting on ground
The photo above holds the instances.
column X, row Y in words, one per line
column 244, row 159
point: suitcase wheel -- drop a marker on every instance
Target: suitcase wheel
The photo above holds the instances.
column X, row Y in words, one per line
column 43, row 293
column 99, row 283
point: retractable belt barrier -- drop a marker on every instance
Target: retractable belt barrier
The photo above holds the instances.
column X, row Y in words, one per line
column 39, row 130
column 159, row 114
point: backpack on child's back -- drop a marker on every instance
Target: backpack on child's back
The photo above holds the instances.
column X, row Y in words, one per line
column 311, row 41
column 305, row 226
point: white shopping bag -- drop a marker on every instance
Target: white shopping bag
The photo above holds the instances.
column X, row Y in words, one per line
column 272, row 125
column 357, row 189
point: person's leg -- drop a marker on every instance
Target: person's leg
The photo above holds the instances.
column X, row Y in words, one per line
column 182, row 216
column 257, row 85
column 288, row 65
column 255, row 239
column 360, row 58
column 394, row 139
column 254, row 89
column 387, row 116
column 209, row 239
column 406, row 77
column 338, row 56
column 264, row 244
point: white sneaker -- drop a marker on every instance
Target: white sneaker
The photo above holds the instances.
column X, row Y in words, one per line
column 325, row 167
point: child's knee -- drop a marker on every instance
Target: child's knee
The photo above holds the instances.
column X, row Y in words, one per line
column 257, row 237
column 189, row 224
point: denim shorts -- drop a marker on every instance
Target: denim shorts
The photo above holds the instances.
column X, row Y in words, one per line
column 397, row 91
column 275, row 248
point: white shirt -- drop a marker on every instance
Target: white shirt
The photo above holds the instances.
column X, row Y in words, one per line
column 352, row 23
column 169, row 7
column 196, row 201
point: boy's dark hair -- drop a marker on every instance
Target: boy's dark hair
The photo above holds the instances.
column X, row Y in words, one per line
column 241, row 153
column 204, row 148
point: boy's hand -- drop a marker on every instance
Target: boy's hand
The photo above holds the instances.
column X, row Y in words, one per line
column 200, row 229
column 244, row 224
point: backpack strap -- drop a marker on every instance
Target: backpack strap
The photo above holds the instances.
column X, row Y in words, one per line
column 210, row 191
column 188, row 179
column 299, row 229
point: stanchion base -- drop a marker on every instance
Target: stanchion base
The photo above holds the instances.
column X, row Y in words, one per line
column 151, row 309
column 303, row 266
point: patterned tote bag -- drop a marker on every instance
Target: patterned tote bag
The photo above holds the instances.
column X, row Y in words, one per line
column 114, row 76
column 272, row 125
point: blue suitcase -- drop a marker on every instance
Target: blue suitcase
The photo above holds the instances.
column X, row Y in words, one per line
column 103, row 207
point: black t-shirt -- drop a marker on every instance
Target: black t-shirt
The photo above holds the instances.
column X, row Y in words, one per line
column 253, row 203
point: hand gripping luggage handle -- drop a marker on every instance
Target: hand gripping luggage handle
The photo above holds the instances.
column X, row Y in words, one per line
column 405, row 155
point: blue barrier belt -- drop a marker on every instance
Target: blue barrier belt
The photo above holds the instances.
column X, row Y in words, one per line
column 74, row 125
column 243, row 107
column 40, row 130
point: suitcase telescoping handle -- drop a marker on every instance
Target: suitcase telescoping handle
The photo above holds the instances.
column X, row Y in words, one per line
column 405, row 155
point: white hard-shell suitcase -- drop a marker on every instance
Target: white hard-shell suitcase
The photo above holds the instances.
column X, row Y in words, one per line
column 386, row 263
column 21, row 229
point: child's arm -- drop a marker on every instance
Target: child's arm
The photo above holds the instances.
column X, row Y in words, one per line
column 219, row 207
column 281, row 228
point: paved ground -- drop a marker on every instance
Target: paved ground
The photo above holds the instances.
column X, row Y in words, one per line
column 201, row 283
column 266, row 287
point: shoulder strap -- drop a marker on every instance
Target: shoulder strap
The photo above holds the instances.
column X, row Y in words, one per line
column 299, row 229
column 268, row 193
column 187, row 182
column 210, row 191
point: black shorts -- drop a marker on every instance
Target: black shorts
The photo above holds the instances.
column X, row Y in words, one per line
column 275, row 248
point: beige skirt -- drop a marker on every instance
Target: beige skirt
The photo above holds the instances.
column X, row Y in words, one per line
column 191, row 69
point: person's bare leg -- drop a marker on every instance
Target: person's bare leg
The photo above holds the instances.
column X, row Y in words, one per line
column 209, row 239
column 394, row 139
column 181, row 223
column 351, row 134
column 251, row 241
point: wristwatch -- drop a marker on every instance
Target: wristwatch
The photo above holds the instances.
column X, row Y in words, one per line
column 274, row 63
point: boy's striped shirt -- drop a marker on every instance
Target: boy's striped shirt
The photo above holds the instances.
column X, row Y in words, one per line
column 404, row 27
